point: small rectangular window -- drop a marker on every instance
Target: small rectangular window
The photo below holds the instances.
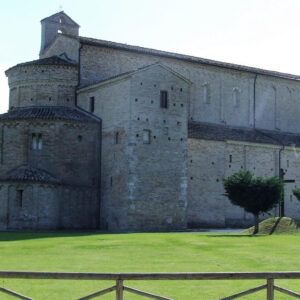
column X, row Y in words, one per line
column 19, row 198
column 40, row 142
column 117, row 137
column 163, row 99
column 146, row 136
column 236, row 97
column 34, row 141
column 206, row 94
column 92, row 104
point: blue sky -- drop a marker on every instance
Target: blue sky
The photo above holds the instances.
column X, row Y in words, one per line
column 259, row 33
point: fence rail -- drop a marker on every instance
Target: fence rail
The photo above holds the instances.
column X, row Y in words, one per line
column 119, row 278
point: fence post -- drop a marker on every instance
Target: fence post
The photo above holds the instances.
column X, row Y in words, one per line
column 119, row 290
column 270, row 289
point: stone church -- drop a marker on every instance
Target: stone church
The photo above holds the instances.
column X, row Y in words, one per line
column 106, row 135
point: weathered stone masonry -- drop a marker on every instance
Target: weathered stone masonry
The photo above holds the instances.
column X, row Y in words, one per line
column 125, row 138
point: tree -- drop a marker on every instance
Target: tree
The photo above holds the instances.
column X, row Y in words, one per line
column 255, row 195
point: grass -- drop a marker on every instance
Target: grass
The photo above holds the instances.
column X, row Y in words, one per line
column 146, row 252
column 277, row 225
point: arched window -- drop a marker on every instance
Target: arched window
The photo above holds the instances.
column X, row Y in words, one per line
column 37, row 141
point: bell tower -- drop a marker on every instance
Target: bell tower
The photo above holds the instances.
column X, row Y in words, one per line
column 57, row 23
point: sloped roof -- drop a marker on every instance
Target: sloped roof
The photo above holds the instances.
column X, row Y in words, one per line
column 125, row 74
column 59, row 14
column 49, row 113
column 48, row 61
column 28, row 173
column 193, row 59
column 208, row 131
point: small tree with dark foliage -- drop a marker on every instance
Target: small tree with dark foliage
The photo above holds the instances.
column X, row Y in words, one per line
column 255, row 195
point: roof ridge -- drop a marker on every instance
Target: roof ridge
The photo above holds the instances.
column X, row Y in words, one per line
column 51, row 60
column 211, row 131
column 195, row 59
column 61, row 13
column 49, row 113
column 243, row 128
column 132, row 72
column 26, row 172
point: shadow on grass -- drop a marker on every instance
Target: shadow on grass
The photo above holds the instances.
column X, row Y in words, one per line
column 275, row 225
column 7, row 236
column 236, row 235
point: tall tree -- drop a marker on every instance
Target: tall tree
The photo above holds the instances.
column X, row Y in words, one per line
column 255, row 194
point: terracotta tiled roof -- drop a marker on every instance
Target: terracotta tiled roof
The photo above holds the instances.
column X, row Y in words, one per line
column 207, row 131
column 49, row 113
column 48, row 61
column 27, row 173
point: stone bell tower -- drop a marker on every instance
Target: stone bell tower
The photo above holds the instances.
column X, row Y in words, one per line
column 57, row 23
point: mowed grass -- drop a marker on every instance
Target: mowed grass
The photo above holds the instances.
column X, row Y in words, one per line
column 146, row 252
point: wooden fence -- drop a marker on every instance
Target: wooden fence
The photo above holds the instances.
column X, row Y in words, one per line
column 119, row 278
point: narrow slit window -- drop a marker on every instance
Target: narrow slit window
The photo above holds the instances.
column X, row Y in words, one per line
column 20, row 198
column 40, row 142
column 117, row 137
column 92, row 104
column 34, row 141
column 205, row 95
column 146, row 136
column 236, row 97
column 163, row 99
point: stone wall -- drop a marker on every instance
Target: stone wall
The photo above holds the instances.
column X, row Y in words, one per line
column 69, row 149
column 112, row 106
column 158, row 169
column 70, row 152
column 63, row 44
column 212, row 161
column 55, row 24
column 47, row 206
column 218, row 95
column 143, row 184
column 42, row 85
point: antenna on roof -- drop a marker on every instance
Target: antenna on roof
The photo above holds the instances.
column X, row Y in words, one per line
column 60, row 7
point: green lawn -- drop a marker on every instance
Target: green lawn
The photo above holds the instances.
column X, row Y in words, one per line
column 146, row 252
